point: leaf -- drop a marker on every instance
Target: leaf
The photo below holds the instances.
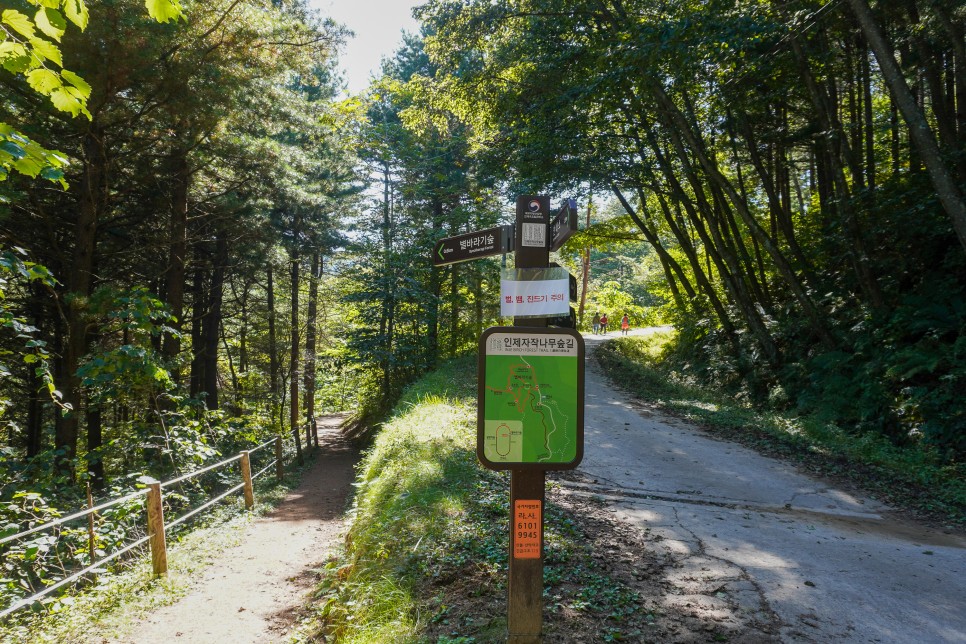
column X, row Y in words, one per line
column 17, row 65
column 47, row 50
column 19, row 22
column 51, row 22
column 11, row 49
column 76, row 12
column 52, row 174
column 69, row 99
column 13, row 149
column 28, row 166
column 164, row 10
column 76, row 81
column 44, row 81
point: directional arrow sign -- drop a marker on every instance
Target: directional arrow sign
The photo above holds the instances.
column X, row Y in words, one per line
column 563, row 225
column 482, row 243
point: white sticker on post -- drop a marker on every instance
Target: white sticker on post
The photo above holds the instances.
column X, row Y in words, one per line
column 534, row 235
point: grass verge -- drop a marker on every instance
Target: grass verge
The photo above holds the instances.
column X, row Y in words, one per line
column 117, row 601
column 910, row 478
column 426, row 554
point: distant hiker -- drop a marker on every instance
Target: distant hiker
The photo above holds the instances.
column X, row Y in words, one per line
column 596, row 323
column 603, row 324
column 625, row 324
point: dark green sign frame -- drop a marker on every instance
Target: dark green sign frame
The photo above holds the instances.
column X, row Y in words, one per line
column 531, row 399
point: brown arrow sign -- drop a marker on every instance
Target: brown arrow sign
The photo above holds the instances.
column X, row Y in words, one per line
column 482, row 243
column 563, row 225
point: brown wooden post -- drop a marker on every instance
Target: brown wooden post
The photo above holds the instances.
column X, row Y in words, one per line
column 279, row 465
column 246, row 472
column 525, row 581
column 159, row 553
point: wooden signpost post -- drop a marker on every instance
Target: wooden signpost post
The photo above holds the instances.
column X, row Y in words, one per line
column 531, row 395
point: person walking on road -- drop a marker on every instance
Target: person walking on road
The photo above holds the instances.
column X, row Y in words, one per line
column 596, row 322
column 625, row 325
column 603, row 324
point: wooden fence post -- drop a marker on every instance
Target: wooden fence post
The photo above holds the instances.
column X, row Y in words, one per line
column 279, row 465
column 246, row 472
column 159, row 554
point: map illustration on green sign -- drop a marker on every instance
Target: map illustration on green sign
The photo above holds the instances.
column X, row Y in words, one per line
column 530, row 398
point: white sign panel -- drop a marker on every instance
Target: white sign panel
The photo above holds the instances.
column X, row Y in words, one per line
column 534, row 235
column 535, row 292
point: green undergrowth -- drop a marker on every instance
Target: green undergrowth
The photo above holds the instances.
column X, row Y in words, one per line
column 426, row 554
column 115, row 602
column 910, row 477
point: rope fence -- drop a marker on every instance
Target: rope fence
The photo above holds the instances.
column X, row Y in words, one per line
column 156, row 526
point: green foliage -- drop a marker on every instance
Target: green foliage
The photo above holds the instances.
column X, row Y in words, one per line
column 21, row 154
column 25, row 52
column 611, row 299
column 16, row 272
column 123, row 372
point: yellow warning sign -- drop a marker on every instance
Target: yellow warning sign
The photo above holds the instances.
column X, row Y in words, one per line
column 527, row 529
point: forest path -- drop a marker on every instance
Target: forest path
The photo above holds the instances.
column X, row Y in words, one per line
column 254, row 591
column 753, row 535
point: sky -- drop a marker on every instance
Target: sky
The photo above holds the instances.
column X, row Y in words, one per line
column 378, row 27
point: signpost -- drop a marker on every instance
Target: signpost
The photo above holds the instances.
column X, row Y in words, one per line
column 531, row 387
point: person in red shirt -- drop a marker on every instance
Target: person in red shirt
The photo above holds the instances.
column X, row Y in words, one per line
column 603, row 324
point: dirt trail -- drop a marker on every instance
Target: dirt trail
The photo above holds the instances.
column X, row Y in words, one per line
column 254, row 591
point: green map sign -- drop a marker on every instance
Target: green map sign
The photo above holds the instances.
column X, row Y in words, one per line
column 531, row 399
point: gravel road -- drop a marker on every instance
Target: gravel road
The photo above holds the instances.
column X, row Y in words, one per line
column 830, row 564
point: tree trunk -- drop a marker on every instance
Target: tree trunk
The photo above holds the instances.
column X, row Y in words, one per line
column 833, row 174
column 687, row 245
column 243, row 332
column 177, row 252
column 272, row 347
column 196, row 378
column 311, row 332
column 436, row 293
column 212, row 324
column 92, row 194
column 295, row 350
column 585, row 272
column 387, row 314
column 454, row 294
column 95, row 441
column 235, row 385
column 680, row 127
